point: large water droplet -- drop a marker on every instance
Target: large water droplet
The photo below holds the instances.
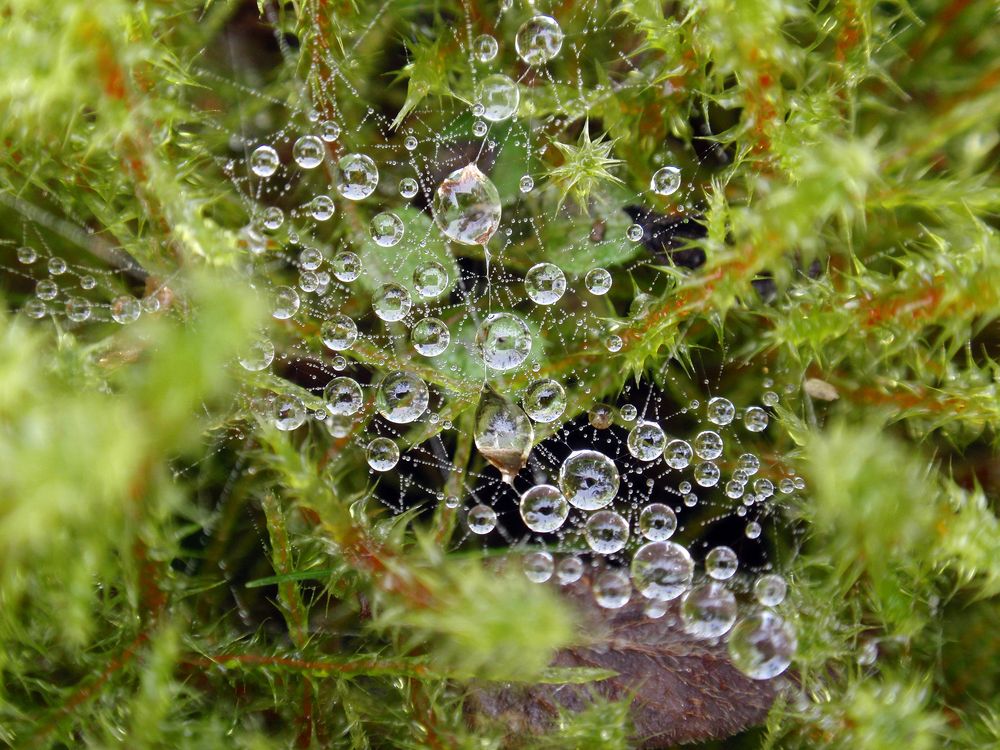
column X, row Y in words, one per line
column 708, row 610
column 358, row 176
column 386, row 229
column 391, row 302
column 569, row 570
column 708, row 445
column 467, row 206
column 665, row 181
column 721, row 563
column 588, row 479
column 755, row 419
column 503, row 433
column 538, row 566
column 308, row 152
column 657, row 522
column 761, row 646
column 485, row 48
column 343, row 396
column 338, row 333
column 430, row 337
column 763, row 487
column 286, row 302
column 646, row 441
column 499, row 96
column 612, row 589
column 504, row 340
column 408, row 187
column 678, row 454
column 606, row 532
column 430, row 279
column 127, row 309
column 538, row 40
column 272, row 218
column 598, row 281
column 346, row 266
column 322, row 208
column 770, row 589
column 543, row 508
column 402, row 397
column 707, row 474
column 601, row 416
column 482, row 519
column 258, row 356
column 720, row 411
column 662, row 570
column 382, row 454
column 329, row 131
column 289, row 413
column 544, row 400
column 338, row 425
column 264, row 161
column 27, row 255
column 545, row 283
column 77, row 309
column 749, row 463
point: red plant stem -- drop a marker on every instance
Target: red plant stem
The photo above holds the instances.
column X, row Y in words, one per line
column 945, row 18
column 296, row 617
column 849, row 35
column 281, row 551
column 908, row 400
column 365, row 554
column 425, row 714
column 88, row 691
column 304, row 738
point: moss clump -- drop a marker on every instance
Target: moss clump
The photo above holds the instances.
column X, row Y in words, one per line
column 175, row 572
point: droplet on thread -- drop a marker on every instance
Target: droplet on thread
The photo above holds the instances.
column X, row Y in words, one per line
column 503, row 433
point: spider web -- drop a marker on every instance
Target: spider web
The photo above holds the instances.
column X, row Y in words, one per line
column 293, row 252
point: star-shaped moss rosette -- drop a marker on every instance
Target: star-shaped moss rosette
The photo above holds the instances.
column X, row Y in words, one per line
column 586, row 166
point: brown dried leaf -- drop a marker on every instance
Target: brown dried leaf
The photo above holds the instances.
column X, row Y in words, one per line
column 683, row 689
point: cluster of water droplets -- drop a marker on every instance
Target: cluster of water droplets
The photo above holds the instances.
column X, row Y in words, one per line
column 628, row 543
column 386, row 267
